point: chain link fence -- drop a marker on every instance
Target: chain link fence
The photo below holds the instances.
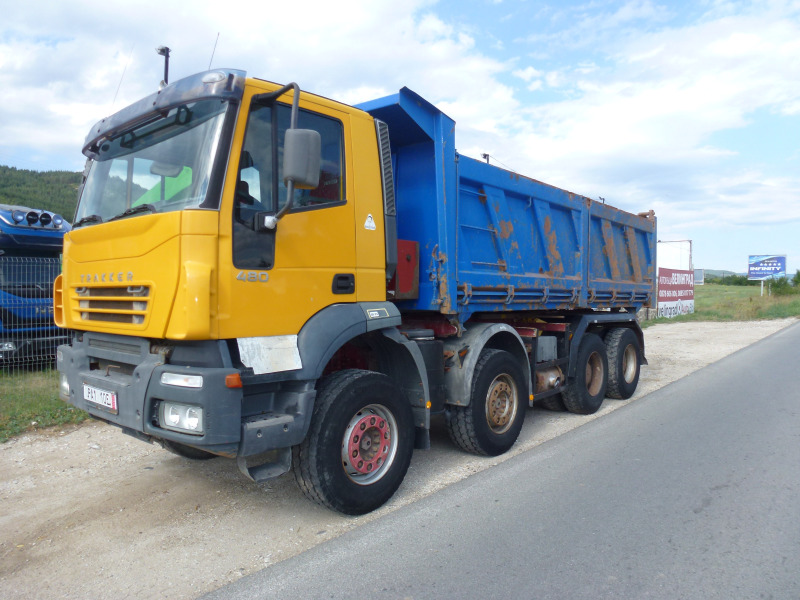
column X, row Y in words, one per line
column 28, row 334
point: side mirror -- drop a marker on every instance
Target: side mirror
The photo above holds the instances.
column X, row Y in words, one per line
column 302, row 152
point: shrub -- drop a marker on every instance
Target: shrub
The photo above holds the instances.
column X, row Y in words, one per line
column 782, row 287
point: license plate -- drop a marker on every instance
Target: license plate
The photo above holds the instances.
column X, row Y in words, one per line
column 102, row 398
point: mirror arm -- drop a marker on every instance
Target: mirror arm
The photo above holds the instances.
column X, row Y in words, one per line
column 289, row 200
column 271, row 223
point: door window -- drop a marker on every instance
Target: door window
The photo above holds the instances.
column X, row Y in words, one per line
column 258, row 190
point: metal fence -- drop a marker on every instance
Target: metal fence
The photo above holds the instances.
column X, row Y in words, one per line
column 28, row 334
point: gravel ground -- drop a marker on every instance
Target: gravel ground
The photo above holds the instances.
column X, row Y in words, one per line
column 91, row 513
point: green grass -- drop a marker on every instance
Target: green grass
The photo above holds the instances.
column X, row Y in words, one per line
column 29, row 400
column 736, row 303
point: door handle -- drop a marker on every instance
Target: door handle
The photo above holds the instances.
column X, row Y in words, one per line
column 344, row 283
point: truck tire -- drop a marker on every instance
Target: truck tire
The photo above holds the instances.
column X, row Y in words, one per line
column 624, row 361
column 584, row 394
column 491, row 423
column 186, row 451
column 359, row 444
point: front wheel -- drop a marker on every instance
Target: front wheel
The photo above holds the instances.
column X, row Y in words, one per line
column 491, row 423
column 359, row 445
column 584, row 394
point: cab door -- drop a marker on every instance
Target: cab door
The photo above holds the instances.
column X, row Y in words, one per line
column 273, row 281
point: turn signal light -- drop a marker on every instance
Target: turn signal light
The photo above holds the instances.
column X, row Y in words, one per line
column 234, row 380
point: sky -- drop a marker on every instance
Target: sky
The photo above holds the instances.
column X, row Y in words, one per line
column 691, row 109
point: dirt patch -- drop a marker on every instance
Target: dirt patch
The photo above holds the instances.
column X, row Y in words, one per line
column 91, row 513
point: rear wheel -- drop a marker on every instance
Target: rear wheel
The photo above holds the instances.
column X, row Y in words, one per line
column 491, row 423
column 584, row 394
column 359, row 445
column 624, row 361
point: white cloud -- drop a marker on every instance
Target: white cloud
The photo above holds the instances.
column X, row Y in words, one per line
column 527, row 74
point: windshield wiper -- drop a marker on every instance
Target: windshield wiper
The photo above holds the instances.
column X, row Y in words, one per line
column 135, row 211
column 89, row 219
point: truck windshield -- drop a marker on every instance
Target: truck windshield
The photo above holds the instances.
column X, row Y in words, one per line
column 162, row 165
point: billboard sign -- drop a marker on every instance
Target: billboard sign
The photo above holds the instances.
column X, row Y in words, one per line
column 675, row 292
column 699, row 277
column 766, row 266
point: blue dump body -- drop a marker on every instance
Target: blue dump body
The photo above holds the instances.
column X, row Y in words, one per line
column 493, row 240
column 30, row 247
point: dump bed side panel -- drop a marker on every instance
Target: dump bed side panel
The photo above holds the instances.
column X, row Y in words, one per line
column 519, row 241
column 621, row 252
column 523, row 244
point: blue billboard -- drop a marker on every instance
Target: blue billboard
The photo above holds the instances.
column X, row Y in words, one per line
column 766, row 266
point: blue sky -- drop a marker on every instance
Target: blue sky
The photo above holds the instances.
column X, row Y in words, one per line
column 691, row 109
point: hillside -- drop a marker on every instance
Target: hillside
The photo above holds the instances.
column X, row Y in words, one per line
column 56, row 191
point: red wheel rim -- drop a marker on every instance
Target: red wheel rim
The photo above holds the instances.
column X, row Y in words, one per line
column 369, row 444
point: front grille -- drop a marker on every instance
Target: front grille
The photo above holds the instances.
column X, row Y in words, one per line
column 128, row 305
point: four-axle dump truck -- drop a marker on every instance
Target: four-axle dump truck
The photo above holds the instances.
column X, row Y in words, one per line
column 264, row 274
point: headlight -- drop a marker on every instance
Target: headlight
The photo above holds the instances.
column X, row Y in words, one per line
column 181, row 417
column 7, row 346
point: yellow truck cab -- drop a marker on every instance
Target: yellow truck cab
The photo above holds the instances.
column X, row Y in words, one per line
column 194, row 318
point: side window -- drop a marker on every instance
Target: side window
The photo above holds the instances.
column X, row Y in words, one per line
column 331, row 182
column 258, row 190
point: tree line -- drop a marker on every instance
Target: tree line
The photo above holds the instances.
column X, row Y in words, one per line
column 54, row 191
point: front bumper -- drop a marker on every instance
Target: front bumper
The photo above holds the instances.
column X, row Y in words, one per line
column 272, row 418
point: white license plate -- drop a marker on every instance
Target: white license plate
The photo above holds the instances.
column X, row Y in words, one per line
column 103, row 398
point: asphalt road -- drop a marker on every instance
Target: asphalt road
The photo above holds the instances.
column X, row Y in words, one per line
column 690, row 492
